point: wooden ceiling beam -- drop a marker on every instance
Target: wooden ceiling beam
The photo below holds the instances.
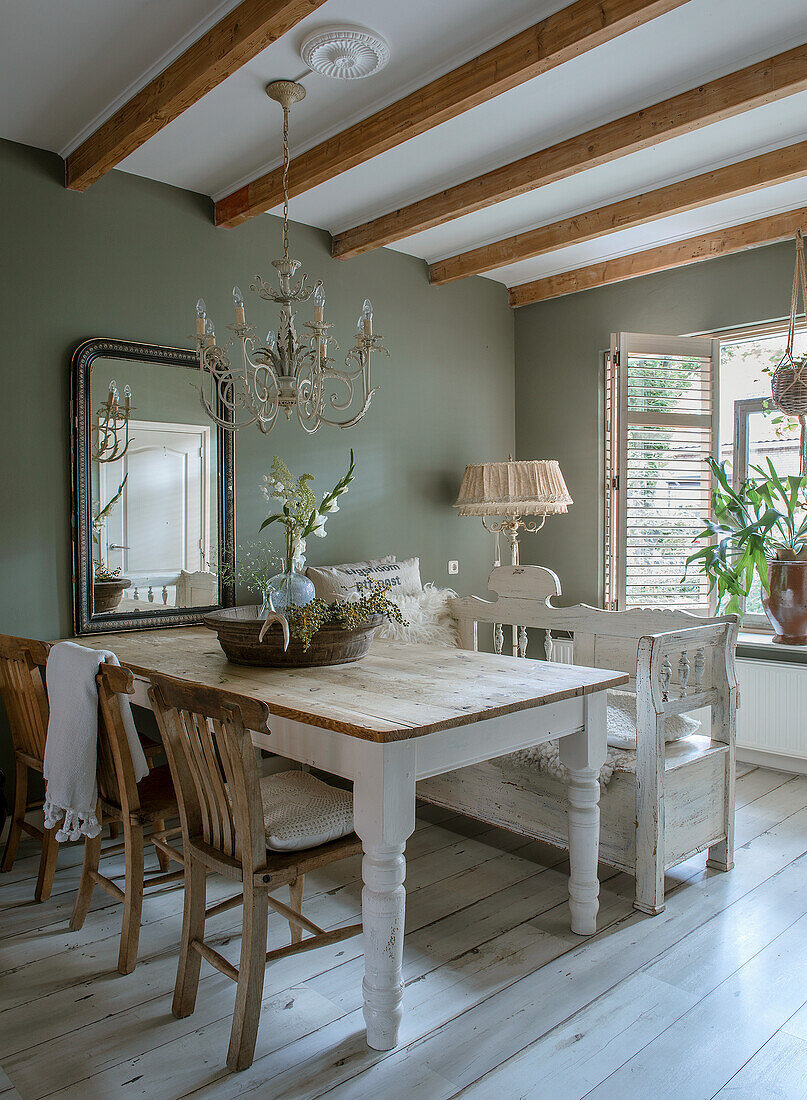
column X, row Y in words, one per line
column 766, row 81
column 721, row 242
column 568, row 33
column 745, row 176
column 232, row 42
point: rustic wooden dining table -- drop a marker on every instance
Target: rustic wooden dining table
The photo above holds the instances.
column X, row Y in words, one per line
column 403, row 713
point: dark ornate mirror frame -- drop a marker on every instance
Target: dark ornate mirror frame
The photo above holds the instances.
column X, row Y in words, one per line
column 85, row 622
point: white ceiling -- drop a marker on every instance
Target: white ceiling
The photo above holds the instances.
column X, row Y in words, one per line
column 64, row 67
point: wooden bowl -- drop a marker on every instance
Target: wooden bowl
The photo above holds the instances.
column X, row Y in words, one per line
column 238, row 629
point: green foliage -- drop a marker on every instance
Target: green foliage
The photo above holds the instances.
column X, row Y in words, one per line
column 765, row 518
column 304, row 622
column 102, row 573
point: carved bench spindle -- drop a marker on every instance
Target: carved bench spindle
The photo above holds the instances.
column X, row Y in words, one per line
column 683, row 672
column 498, row 638
column 549, row 645
column 700, row 664
column 165, row 594
column 665, row 675
column 522, row 641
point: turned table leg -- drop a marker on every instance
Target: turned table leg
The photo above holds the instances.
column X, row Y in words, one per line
column 384, row 811
column 583, row 753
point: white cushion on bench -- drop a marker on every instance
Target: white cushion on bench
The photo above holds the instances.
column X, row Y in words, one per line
column 622, row 722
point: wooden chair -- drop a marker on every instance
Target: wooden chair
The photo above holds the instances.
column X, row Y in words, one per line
column 677, row 799
column 22, row 687
column 136, row 806
column 206, row 734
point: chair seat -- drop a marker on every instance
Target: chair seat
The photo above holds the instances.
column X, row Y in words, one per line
column 290, row 865
column 158, row 799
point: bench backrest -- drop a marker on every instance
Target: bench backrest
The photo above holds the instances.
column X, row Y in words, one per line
column 681, row 661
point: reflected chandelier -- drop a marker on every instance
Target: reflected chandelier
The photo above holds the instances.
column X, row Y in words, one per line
column 289, row 371
column 113, row 425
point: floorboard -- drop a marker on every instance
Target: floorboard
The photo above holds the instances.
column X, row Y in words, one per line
column 502, row 1000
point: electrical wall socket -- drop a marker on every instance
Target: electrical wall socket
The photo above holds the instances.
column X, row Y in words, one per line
column 453, row 568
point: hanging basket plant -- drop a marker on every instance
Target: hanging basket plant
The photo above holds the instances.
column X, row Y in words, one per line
column 789, row 381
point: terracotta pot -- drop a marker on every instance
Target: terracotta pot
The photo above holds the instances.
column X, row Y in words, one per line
column 786, row 607
column 106, row 595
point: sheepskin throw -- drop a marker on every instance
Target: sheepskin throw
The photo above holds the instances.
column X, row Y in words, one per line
column 546, row 758
column 427, row 614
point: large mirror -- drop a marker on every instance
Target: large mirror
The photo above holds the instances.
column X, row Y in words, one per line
column 153, row 490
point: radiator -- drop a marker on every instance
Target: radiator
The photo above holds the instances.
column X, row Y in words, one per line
column 563, row 650
column 772, row 719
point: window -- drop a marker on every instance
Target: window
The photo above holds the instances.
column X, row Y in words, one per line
column 661, row 421
column 751, row 430
column 670, row 402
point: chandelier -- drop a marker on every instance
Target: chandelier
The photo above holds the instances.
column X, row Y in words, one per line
column 289, row 370
column 113, row 425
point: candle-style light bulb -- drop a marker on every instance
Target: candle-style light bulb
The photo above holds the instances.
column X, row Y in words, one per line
column 271, row 341
column 210, row 333
column 319, row 304
column 201, row 314
column 238, row 301
column 367, row 317
column 127, row 394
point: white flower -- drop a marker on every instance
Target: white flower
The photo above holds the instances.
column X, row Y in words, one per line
column 328, row 506
column 319, row 526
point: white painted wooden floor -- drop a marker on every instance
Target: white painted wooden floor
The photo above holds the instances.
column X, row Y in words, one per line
column 502, row 1001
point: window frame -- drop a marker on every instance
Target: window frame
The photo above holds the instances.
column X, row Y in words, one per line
column 743, row 409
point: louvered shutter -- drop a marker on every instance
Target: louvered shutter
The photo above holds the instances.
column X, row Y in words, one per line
column 660, row 426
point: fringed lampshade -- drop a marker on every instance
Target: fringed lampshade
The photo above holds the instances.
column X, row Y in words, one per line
column 532, row 488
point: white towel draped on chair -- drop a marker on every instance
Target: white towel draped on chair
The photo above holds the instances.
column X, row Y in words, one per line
column 71, row 744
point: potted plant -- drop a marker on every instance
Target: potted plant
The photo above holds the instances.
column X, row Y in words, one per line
column 108, row 587
column 759, row 531
column 293, row 627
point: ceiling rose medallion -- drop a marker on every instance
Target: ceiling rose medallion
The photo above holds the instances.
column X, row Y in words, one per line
column 345, row 53
column 287, row 369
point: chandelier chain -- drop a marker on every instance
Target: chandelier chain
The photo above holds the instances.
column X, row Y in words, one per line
column 285, row 183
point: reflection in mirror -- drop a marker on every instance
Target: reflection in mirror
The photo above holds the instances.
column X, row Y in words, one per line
column 153, row 467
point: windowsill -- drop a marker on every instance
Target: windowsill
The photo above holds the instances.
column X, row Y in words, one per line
column 761, row 646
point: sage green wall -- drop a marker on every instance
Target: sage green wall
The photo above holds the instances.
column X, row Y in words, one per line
column 559, row 346
column 129, row 259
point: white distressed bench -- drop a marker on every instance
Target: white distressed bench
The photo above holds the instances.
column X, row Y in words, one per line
column 680, row 799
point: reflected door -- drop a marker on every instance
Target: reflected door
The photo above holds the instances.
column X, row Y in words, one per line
column 161, row 526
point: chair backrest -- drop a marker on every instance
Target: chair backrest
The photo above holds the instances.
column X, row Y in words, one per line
column 115, row 770
column 22, row 687
column 209, row 748
column 692, row 656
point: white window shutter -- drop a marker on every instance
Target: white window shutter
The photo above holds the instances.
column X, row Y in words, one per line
column 661, row 416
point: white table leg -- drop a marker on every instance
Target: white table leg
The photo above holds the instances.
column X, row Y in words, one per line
column 584, row 754
column 384, row 813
